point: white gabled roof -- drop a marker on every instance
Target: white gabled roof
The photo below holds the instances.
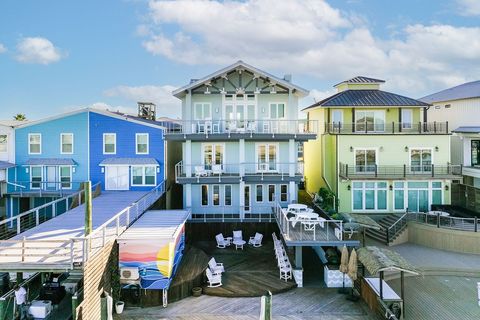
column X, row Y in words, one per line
column 179, row 92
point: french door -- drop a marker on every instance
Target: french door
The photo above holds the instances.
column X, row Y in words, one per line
column 116, row 178
column 240, row 111
column 267, row 157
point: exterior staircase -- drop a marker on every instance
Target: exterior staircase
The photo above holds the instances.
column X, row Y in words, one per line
column 386, row 223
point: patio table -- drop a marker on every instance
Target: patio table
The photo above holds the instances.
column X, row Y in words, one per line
column 239, row 244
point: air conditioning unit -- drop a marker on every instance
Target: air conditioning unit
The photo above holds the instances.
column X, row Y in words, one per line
column 129, row 274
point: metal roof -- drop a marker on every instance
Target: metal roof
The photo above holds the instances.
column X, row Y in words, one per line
column 6, row 165
column 129, row 161
column 12, row 123
column 156, row 224
column 467, row 130
column 49, row 162
column 463, row 91
column 361, row 79
column 367, row 98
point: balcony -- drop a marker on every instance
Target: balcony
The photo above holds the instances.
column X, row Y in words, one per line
column 376, row 172
column 43, row 188
column 387, row 128
column 234, row 173
column 263, row 129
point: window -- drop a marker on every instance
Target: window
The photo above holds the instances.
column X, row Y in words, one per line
column 283, row 193
column 227, row 198
column 202, row 111
column 66, row 177
column 66, row 141
column 204, row 195
column 144, row 175
column 3, row 143
column 267, row 157
column 213, row 154
column 109, row 143
column 437, row 193
column 36, row 177
column 418, row 196
column 259, row 193
column 365, row 160
column 475, row 152
column 337, row 118
column 399, row 195
column 34, row 143
column 369, row 196
column 240, row 111
column 142, row 143
column 271, row 192
column 370, row 121
column 421, row 160
column 407, row 118
column 216, row 195
column 277, row 110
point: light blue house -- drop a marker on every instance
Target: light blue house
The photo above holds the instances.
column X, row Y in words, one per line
column 53, row 156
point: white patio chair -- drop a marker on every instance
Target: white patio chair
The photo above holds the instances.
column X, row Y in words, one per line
column 200, row 171
column 214, row 280
column 222, row 243
column 231, row 126
column 321, row 222
column 216, row 127
column 256, row 241
column 285, row 272
column 215, row 266
column 251, row 127
column 237, row 235
column 217, row 169
column 208, row 126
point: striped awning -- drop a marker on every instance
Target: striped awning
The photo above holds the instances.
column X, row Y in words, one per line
column 129, row 162
column 49, row 162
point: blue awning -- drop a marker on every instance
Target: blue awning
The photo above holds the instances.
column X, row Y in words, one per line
column 467, row 130
column 6, row 165
column 129, row 162
column 50, row 162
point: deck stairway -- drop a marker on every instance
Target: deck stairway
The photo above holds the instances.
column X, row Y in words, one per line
column 387, row 222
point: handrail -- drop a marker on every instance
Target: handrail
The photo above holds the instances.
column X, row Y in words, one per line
column 401, row 218
column 389, row 229
column 15, row 185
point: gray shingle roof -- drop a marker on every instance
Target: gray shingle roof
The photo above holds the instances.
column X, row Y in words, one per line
column 367, row 98
column 361, row 79
column 467, row 130
column 129, row 161
column 6, row 165
column 49, row 162
column 463, row 91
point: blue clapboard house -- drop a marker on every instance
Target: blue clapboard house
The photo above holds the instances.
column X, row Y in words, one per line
column 53, row 156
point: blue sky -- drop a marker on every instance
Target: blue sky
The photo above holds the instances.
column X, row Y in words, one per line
column 59, row 55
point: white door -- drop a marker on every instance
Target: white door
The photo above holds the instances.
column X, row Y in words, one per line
column 51, row 178
column 116, row 178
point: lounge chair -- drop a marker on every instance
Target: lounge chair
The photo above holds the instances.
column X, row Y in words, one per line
column 215, row 267
column 200, row 171
column 214, row 280
column 237, row 235
column 222, row 243
column 256, row 241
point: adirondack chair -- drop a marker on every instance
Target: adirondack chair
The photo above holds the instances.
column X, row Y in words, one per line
column 222, row 243
column 237, row 235
column 256, row 241
column 214, row 280
column 215, row 267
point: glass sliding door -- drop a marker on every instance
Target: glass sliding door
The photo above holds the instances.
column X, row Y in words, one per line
column 370, row 121
column 421, row 160
column 475, row 151
column 365, row 160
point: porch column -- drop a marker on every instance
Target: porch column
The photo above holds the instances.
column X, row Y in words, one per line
column 241, row 157
column 241, row 199
column 187, row 117
column 292, row 190
column 187, row 162
column 188, row 195
column 292, row 157
column 298, row 270
column 298, row 257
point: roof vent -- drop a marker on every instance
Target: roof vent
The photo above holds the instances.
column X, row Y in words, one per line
column 287, row 77
column 147, row 110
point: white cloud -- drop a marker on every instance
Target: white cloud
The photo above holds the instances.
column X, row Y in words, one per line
column 311, row 37
column 167, row 104
column 469, row 7
column 37, row 50
column 2, row 48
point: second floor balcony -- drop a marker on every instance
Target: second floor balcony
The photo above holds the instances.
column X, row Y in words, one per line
column 234, row 173
column 380, row 127
column 39, row 188
column 260, row 129
column 379, row 172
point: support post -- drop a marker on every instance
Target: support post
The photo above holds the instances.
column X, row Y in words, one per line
column 298, row 257
column 381, row 285
column 402, row 290
column 88, row 207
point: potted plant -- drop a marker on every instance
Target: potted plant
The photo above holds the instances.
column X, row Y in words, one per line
column 196, row 291
column 119, row 307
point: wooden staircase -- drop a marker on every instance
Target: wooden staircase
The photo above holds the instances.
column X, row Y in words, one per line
column 386, row 223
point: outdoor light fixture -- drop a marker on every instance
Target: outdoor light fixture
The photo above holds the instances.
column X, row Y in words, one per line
column 103, row 169
column 158, row 169
column 446, row 187
column 216, row 110
column 406, row 149
column 391, row 187
column 349, row 188
column 26, row 170
column 73, row 169
column 351, row 149
column 436, row 148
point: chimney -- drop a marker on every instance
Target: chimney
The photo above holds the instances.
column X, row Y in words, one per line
column 147, row 110
column 287, row 77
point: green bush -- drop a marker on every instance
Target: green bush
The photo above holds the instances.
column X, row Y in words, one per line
column 326, row 200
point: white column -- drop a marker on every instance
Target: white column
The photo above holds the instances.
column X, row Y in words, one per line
column 188, row 195
column 187, row 117
column 292, row 157
column 292, row 190
column 187, row 161
column 241, row 199
column 241, row 158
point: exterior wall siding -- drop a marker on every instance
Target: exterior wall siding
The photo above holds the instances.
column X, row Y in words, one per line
column 464, row 112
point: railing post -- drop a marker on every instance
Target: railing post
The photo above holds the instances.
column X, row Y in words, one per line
column 54, row 210
column 18, row 225
column 376, row 170
column 71, row 253
column 37, row 217
column 475, row 224
column 103, row 236
column 404, row 170
column 346, row 170
column 117, row 221
column 446, row 127
column 393, row 127
column 388, row 235
column 419, row 127
column 433, row 170
column 438, row 219
column 23, row 249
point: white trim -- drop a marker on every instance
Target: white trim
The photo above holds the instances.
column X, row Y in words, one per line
column 374, row 124
column 336, row 110
column 136, row 143
column 219, row 195
column 213, row 145
column 144, row 175
column 201, row 195
column 270, row 110
column 410, row 123
column 40, row 143
column 375, row 189
column 277, row 155
column 225, row 193
column 60, row 177
column 263, row 196
column 419, row 148
column 376, row 149
column 61, row 142
column 287, row 193
column 115, row 144
column 274, row 193
column 196, row 117
column 41, row 177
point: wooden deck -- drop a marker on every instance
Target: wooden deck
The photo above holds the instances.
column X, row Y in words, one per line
column 248, row 273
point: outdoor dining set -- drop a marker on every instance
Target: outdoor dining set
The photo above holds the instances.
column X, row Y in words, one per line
column 300, row 213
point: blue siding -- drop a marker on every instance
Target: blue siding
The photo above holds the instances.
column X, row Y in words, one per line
column 126, row 148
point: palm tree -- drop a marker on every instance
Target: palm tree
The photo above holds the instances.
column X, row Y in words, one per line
column 20, row 117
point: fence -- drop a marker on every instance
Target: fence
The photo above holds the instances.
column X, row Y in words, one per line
column 42, row 188
column 232, row 214
column 446, row 222
column 401, row 171
column 387, row 128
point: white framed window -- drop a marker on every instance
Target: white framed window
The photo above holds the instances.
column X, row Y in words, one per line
column 284, row 193
column 277, row 110
column 66, row 143
column 216, row 195
column 227, row 195
column 370, row 120
column 142, row 143
column 202, row 111
column 259, row 193
column 36, row 177
column 3, row 143
column 399, row 196
column 365, row 159
column 109, row 143
column 65, row 174
column 204, row 200
column 267, row 157
column 407, row 118
column 369, row 196
column 337, row 117
column 421, row 159
column 271, row 193
column 213, row 154
column 144, row 175
column 34, row 143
